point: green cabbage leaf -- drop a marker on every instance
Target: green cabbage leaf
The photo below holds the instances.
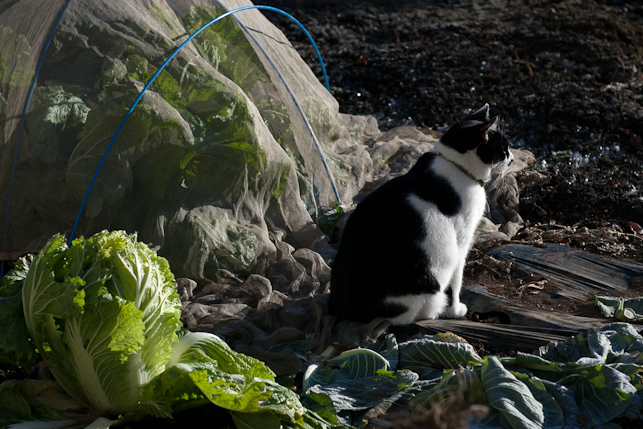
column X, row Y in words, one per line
column 104, row 315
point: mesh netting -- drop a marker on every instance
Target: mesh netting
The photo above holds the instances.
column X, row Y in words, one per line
column 214, row 160
column 234, row 147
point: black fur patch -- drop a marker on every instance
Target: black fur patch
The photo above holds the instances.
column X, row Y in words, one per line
column 495, row 149
column 379, row 254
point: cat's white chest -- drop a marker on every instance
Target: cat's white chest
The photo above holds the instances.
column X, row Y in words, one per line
column 450, row 233
column 465, row 223
column 473, row 201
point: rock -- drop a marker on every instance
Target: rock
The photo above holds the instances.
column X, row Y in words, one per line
column 185, row 288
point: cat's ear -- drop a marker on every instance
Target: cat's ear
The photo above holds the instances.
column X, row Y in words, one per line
column 490, row 125
column 481, row 114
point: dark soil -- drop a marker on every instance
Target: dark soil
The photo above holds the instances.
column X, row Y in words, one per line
column 563, row 74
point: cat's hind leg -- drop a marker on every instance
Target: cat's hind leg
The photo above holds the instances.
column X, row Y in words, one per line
column 413, row 303
column 432, row 307
column 419, row 307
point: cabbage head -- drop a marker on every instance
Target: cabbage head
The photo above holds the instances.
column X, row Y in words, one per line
column 104, row 314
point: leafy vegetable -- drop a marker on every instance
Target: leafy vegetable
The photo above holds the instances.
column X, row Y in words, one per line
column 63, row 109
column 426, row 354
column 510, row 396
column 13, row 335
column 602, row 393
column 104, row 315
column 462, row 385
column 328, row 219
column 14, row 58
column 223, row 42
column 625, row 310
column 585, row 381
column 355, row 380
column 43, row 400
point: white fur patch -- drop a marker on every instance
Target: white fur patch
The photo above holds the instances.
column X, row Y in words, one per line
column 468, row 160
column 446, row 246
column 425, row 306
column 458, row 310
column 448, row 238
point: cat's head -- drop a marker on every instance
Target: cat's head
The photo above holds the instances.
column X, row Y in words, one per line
column 477, row 142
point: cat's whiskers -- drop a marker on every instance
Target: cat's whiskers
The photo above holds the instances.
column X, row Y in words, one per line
column 497, row 185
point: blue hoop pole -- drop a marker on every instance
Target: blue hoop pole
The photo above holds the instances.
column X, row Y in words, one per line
column 296, row 102
column 154, row 76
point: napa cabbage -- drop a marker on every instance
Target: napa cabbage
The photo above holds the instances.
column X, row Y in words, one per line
column 104, row 315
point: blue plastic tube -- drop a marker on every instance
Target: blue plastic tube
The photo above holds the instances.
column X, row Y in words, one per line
column 149, row 83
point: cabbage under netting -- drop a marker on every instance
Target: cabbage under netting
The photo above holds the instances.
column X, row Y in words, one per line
column 214, row 159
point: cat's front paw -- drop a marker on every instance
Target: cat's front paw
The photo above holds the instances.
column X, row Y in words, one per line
column 456, row 311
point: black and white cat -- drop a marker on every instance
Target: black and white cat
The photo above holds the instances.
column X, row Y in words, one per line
column 404, row 248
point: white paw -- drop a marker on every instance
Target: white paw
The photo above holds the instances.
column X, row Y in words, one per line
column 457, row 311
